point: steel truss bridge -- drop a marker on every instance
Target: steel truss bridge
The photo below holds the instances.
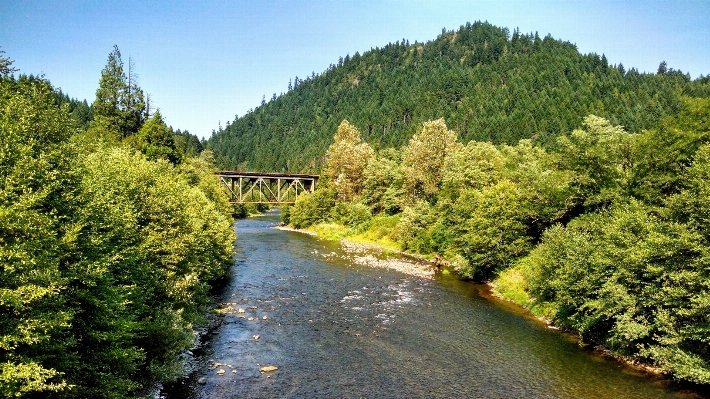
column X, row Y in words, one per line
column 266, row 188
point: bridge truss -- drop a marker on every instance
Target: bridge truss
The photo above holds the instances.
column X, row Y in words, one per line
column 266, row 188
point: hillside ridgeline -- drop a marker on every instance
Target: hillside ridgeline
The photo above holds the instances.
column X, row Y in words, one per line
column 489, row 85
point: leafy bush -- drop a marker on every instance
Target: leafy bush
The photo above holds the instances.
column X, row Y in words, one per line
column 630, row 280
column 37, row 183
column 286, row 214
column 312, row 208
column 382, row 187
column 354, row 215
column 107, row 257
column 413, row 228
column 492, row 232
column 382, row 227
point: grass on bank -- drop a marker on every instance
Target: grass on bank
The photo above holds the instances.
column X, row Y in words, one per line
column 379, row 231
column 511, row 285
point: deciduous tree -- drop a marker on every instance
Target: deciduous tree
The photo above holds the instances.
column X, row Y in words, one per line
column 423, row 159
column 347, row 159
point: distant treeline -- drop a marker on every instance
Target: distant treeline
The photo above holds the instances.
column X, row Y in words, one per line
column 487, row 83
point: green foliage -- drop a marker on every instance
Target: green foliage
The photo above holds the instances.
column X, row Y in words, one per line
column 488, row 83
column 187, row 144
column 423, row 159
column 632, row 280
column 512, row 285
column 574, row 232
column 6, row 65
column 119, row 108
column 474, row 165
column 492, row 231
column 286, row 214
column 80, row 111
column 413, row 228
column 312, row 208
column 155, row 140
column 382, row 187
column 662, row 153
column 549, row 193
column 35, row 177
column 382, row 228
column 354, row 215
column 347, row 159
column 106, row 256
column 692, row 205
column 239, row 211
column 600, row 154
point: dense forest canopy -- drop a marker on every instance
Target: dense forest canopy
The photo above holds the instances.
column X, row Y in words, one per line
column 487, row 83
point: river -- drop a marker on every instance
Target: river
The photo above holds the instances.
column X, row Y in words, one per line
column 337, row 329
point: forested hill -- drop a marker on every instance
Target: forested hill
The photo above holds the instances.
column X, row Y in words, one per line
column 488, row 84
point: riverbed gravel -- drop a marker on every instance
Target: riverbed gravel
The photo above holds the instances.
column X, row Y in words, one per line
column 362, row 255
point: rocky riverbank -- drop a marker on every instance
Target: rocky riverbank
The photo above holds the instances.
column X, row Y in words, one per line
column 362, row 255
column 372, row 255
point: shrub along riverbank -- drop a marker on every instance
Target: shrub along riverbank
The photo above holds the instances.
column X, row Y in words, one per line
column 110, row 239
column 605, row 232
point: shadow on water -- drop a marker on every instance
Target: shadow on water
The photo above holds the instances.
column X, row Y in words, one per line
column 337, row 329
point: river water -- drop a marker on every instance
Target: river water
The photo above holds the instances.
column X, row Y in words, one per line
column 337, row 329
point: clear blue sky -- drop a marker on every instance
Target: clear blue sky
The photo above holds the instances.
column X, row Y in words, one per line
column 203, row 62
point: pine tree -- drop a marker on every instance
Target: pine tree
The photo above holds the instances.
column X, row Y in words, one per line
column 6, row 65
column 119, row 107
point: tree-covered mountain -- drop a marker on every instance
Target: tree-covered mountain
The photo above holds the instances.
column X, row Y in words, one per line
column 488, row 85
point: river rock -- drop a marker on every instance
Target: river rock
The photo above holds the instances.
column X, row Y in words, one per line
column 202, row 381
column 268, row 369
column 220, row 371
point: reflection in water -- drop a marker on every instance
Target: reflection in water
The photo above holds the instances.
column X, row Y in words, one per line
column 337, row 329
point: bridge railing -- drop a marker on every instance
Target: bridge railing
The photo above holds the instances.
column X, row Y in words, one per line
column 266, row 188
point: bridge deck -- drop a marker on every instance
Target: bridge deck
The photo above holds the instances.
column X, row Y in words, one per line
column 272, row 175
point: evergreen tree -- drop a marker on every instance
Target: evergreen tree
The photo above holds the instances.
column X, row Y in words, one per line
column 6, row 65
column 487, row 85
column 119, row 107
column 156, row 141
